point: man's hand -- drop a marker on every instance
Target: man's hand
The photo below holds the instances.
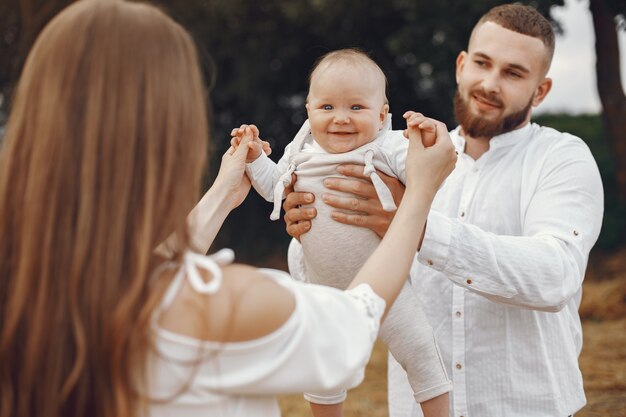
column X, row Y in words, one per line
column 297, row 218
column 365, row 207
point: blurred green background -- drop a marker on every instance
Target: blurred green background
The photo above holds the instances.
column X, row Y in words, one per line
column 256, row 56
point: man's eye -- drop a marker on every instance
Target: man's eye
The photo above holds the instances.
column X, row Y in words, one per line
column 327, row 107
column 356, row 107
column 480, row 63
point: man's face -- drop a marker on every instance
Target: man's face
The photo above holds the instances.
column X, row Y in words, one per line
column 500, row 77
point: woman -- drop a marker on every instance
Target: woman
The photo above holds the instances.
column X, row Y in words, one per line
column 103, row 156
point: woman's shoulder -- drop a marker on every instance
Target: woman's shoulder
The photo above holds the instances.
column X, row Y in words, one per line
column 262, row 305
column 248, row 305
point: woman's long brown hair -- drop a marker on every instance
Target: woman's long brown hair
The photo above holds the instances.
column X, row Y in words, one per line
column 102, row 160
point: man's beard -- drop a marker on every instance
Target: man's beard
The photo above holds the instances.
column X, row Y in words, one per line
column 478, row 127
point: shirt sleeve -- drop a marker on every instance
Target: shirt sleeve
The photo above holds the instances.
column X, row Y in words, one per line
column 264, row 173
column 544, row 267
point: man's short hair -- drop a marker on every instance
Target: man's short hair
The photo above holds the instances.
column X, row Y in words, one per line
column 522, row 19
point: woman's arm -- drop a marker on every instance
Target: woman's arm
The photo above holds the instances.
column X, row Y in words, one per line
column 387, row 268
column 230, row 188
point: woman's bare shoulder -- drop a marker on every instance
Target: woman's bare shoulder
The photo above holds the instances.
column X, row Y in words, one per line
column 249, row 305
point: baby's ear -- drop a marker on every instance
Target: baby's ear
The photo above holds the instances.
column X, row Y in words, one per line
column 384, row 111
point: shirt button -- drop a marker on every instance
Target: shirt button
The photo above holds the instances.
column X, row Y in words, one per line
column 575, row 232
column 458, row 314
column 458, row 366
column 462, row 214
column 429, row 262
column 469, row 281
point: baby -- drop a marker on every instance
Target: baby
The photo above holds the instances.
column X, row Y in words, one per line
column 349, row 122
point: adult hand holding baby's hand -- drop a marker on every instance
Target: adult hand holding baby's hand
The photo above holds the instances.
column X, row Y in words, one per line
column 431, row 155
column 255, row 145
column 231, row 176
column 426, row 125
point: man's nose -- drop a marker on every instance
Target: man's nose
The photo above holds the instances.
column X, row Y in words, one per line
column 491, row 82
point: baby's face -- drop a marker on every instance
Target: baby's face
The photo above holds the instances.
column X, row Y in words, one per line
column 346, row 106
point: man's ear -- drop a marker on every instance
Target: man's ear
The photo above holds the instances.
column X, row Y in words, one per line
column 542, row 91
column 460, row 62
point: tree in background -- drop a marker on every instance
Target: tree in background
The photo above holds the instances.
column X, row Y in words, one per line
column 609, row 17
column 262, row 51
column 257, row 55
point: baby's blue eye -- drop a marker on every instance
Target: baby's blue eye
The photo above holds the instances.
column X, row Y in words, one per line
column 327, row 107
column 356, row 107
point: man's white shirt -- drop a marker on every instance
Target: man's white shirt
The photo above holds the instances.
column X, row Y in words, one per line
column 500, row 274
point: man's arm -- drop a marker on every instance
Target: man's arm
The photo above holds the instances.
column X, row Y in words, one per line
column 543, row 268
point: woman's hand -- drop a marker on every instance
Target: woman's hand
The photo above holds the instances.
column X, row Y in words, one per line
column 428, row 165
column 228, row 191
column 255, row 145
column 231, row 176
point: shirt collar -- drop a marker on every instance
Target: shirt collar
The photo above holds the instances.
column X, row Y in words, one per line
column 499, row 141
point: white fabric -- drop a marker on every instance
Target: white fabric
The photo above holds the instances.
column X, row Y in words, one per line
column 332, row 253
column 313, row 350
column 500, row 274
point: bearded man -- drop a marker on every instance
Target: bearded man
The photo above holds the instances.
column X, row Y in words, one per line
column 507, row 241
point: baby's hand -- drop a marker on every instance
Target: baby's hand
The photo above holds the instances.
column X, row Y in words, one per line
column 426, row 126
column 255, row 144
